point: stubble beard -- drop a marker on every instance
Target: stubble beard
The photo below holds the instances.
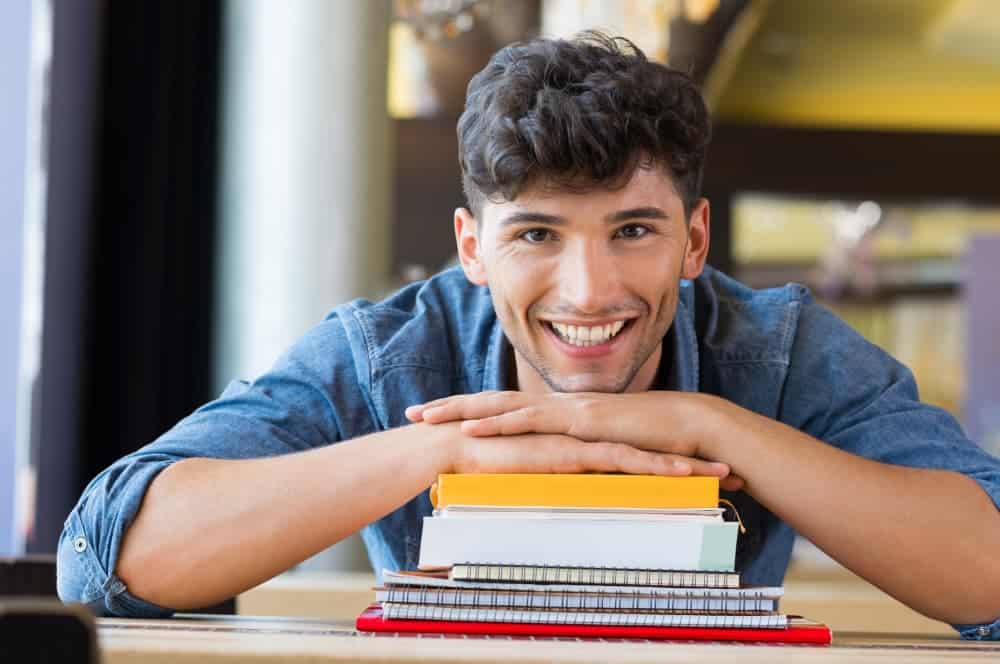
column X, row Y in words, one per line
column 551, row 377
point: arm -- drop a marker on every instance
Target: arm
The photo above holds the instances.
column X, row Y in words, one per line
column 927, row 537
column 257, row 481
column 211, row 528
column 887, row 485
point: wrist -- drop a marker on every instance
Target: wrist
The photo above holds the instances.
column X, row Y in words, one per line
column 444, row 445
column 710, row 424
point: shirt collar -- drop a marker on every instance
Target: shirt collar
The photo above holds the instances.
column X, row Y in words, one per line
column 496, row 372
column 680, row 347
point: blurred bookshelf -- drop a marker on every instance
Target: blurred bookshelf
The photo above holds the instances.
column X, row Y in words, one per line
column 894, row 271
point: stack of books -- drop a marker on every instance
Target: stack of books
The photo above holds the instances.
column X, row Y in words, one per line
column 616, row 556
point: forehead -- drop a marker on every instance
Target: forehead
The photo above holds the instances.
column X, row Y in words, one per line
column 645, row 187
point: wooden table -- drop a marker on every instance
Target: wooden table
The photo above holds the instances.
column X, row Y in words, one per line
column 225, row 640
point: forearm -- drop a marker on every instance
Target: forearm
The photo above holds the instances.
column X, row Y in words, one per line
column 209, row 529
column 927, row 537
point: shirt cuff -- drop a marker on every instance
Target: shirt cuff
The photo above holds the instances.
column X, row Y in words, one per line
column 82, row 579
column 983, row 632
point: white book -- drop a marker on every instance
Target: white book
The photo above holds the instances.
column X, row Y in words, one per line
column 577, row 542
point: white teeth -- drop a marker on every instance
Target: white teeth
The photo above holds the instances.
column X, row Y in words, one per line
column 588, row 336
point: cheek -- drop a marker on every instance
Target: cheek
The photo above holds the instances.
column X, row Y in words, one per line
column 656, row 281
column 512, row 298
column 521, row 282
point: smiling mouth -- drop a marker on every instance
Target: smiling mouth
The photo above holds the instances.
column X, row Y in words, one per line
column 588, row 335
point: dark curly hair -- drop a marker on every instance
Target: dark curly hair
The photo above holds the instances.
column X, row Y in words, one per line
column 578, row 114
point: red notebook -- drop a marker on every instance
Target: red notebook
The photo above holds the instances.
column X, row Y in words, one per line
column 799, row 630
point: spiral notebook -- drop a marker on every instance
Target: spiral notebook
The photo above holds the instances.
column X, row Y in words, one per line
column 602, row 576
column 681, row 601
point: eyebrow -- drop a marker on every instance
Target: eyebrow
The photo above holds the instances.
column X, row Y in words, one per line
column 555, row 220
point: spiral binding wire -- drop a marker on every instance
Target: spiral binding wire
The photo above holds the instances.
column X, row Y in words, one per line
column 611, row 576
column 392, row 610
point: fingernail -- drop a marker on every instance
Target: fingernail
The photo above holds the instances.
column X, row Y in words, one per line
column 682, row 466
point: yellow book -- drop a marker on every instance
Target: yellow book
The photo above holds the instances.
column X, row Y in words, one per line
column 585, row 490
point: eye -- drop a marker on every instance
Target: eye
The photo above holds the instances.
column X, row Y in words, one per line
column 632, row 231
column 536, row 235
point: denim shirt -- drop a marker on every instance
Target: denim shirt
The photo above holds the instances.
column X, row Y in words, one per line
column 775, row 352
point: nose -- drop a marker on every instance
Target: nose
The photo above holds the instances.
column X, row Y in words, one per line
column 588, row 277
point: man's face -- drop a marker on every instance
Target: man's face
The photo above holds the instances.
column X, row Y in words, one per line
column 585, row 285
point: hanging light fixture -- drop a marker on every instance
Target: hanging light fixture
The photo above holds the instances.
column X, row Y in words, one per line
column 440, row 19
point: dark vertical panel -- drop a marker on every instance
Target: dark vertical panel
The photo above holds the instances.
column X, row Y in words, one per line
column 71, row 124
column 428, row 188
column 154, row 226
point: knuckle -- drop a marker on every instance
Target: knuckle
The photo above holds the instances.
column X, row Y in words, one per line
column 527, row 413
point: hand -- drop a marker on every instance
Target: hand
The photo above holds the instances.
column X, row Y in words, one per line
column 553, row 453
column 637, row 420
column 659, row 421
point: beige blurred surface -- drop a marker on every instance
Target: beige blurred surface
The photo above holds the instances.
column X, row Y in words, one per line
column 819, row 591
column 215, row 639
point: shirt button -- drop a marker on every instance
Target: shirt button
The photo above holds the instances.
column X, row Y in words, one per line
column 80, row 544
column 983, row 631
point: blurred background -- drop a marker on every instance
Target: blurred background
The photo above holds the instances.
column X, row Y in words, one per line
column 191, row 184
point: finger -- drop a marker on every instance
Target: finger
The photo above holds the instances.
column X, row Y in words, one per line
column 627, row 459
column 708, row 468
column 474, row 406
column 415, row 412
column 530, row 419
column 634, row 459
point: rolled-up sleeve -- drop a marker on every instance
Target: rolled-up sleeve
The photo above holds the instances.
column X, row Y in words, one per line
column 865, row 402
column 297, row 405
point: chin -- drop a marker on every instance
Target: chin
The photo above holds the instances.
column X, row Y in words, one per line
column 585, row 384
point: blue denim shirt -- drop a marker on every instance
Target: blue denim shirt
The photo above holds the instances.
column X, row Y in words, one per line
column 775, row 352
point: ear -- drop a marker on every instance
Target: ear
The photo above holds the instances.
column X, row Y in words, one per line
column 467, row 240
column 698, row 239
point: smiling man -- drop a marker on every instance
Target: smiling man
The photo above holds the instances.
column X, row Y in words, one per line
column 583, row 332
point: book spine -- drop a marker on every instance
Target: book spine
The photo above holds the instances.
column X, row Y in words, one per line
column 597, row 576
column 576, row 490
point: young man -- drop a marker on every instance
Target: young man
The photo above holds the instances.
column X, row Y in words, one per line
column 583, row 332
